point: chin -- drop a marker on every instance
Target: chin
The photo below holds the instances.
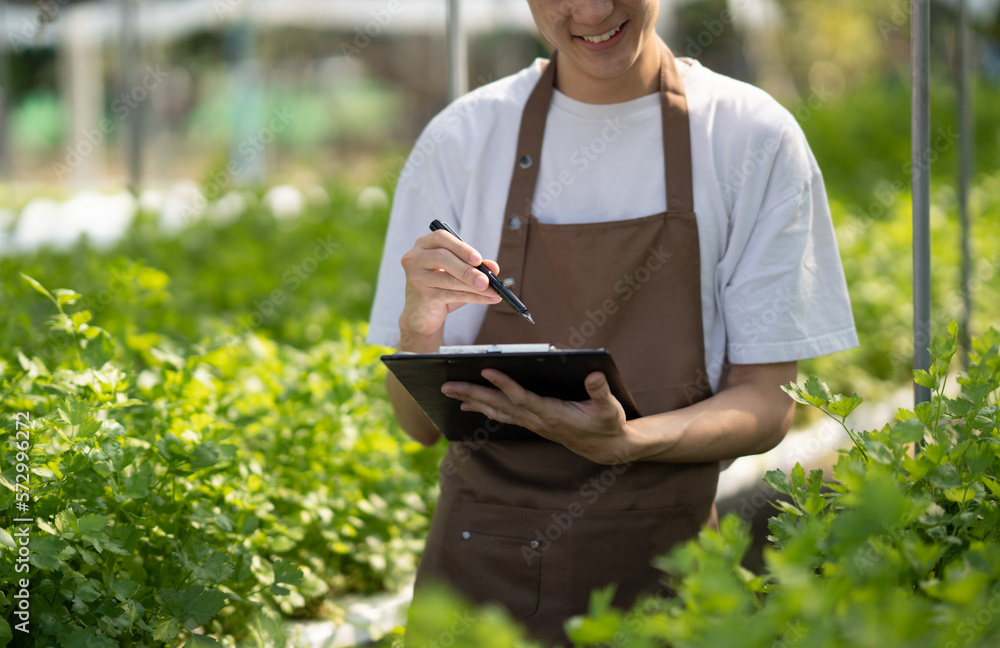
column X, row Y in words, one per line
column 611, row 69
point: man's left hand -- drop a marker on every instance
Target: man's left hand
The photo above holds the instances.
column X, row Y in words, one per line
column 595, row 429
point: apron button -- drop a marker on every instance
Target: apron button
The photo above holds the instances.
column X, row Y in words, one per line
column 525, row 161
column 514, row 222
column 508, row 281
column 466, row 535
column 534, row 544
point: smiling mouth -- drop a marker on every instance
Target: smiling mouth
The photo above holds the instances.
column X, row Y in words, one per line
column 600, row 38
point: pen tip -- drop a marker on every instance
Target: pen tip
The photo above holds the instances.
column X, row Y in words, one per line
column 527, row 316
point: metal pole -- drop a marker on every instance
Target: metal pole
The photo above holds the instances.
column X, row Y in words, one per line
column 246, row 106
column 130, row 78
column 5, row 98
column 458, row 63
column 920, row 149
column 966, row 139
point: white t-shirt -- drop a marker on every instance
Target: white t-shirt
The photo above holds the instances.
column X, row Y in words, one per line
column 772, row 285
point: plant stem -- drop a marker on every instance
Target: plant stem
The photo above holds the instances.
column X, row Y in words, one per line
column 940, row 400
column 855, row 440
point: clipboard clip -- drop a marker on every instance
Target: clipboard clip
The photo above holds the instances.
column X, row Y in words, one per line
column 497, row 348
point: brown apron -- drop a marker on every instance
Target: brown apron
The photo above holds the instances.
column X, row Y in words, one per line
column 530, row 524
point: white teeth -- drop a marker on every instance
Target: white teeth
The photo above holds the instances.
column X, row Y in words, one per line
column 602, row 37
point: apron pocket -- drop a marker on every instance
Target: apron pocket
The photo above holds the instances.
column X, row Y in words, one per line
column 619, row 547
column 488, row 555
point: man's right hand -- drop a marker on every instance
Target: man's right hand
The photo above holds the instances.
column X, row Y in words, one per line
column 441, row 275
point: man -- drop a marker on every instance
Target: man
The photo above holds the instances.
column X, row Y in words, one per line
column 633, row 202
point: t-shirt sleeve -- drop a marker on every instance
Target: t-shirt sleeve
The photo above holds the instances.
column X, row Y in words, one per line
column 421, row 196
column 784, row 294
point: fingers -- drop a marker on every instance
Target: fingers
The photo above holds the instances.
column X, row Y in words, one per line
column 461, row 249
column 458, row 258
column 441, row 251
column 597, row 388
column 512, row 403
column 518, row 396
column 485, row 400
column 594, row 429
column 441, row 275
column 453, row 288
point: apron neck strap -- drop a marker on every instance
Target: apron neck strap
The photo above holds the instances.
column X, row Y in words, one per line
column 676, row 139
column 676, row 135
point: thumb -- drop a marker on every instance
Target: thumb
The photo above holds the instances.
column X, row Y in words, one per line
column 597, row 387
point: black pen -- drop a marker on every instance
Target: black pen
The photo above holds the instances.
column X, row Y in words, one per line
column 495, row 283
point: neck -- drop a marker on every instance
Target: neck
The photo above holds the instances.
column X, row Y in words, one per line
column 641, row 78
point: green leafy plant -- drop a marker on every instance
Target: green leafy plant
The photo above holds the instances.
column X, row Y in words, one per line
column 900, row 548
column 205, row 495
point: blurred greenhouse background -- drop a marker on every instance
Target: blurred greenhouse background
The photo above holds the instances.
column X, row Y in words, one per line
column 208, row 182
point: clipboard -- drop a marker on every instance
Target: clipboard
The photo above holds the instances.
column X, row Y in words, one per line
column 544, row 370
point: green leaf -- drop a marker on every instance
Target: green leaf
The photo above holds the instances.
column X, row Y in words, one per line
column 136, row 482
column 880, row 452
column 798, row 477
column 115, row 547
column 943, row 348
column 978, row 457
column 992, row 485
column 946, row 476
column 818, row 391
column 7, row 539
column 87, row 429
column 593, row 630
column 81, row 318
column 198, row 640
column 986, row 420
column 216, row 569
column 5, row 632
column 89, row 638
column 782, row 526
column 961, row 585
column 976, row 391
column 40, row 288
column 924, row 379
column 204, row 455
column 601, row 599
column 814, row 505
column 787, row 507
column 66, row 522
column 600, row 624
column 795, row 392
column 815, row 482
column 778, row 481
column 909, row 431
column 960, row 495
column 166, row 630
column 171, row 448
column 93, row 523
column 49, row 552
column 88, row 591
column 953, row 329
column 125, row 588
column 286, row 572
column 197, row 603
column 98, row 350
column 74, row 411
column 65, row 296
column 842, row 406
